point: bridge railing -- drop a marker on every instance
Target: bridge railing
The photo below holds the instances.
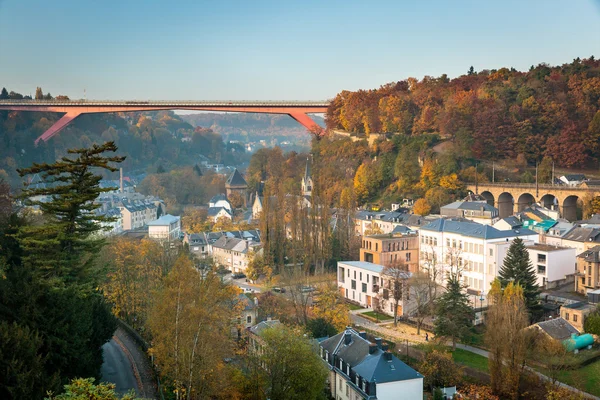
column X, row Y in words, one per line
column 529, row 186
column 33, row 102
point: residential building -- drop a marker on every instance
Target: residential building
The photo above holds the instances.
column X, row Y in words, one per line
column 361, row 369
column 233, row 253
column 113, row 227
column 255, row 341
column 573, row 179
column 197, row 244
column 237, row 184
column 369, row 222
column 552, row 263
column 257, row 206
column 220, row 200
column 366, row 284
column 137, row 214
column 587, row 277
column 200, row 244
column 579, row 238
column 576, row 313
column 167, row 227
column 214, row 213
column 248, row 315
column 474, row 250
column 387, row 249
column 476, row 211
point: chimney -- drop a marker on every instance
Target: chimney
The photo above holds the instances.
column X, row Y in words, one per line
column 347, row 338
column 121, row 180
column 378, row 342
column 385, row 347
column 387, row 356
column 363, row 334
column 372, row 348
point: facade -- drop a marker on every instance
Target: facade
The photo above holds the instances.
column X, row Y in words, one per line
column 137, row 214
column 579, row 238
column 114, row 227
column 360, row 369
column 364, row 283
column 220, row 200
column 476, row 251
column 368, row 222
column 573, row 179
column 576, row 313
column 391, row 248
column 257, row 207
column 476, row 211
column 233, row 253
column 248, row 315
column 167, row 227
column 587, row 278
column 214, row 213
column 237, row 184
column 551, row 263
column 197, row 244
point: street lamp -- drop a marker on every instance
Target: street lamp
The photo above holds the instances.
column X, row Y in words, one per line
column 481, row 304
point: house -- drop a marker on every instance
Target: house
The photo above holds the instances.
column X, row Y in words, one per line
column 113, row 227
column 390, row 248
column 475, row 250
column 233, row 253
column 137, row 214
column 476, row 211
column 220, row 200
column 214, row 213
column 557, row 329
column 237, row 184
column 576, row 313
column 255, row 342
column 361, row 369
column 507, row 223
column 573, row 179
column 166, row 227
column 552, row 263
column 587, row 277
column 198, row 244
column 366, row 284
column 369, row 222
column 248, row 314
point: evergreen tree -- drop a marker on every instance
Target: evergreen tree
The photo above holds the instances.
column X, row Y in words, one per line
column 517, row 268
column 160, row 170
column 3, row 94
column 197, row 170
column 454, row 314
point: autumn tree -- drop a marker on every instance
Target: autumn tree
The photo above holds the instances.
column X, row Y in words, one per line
column 332, row 307
column 85, row 388
column 440, row 370
column 194, row 220
column 39, row 95
column 257, row 267
column 236, row 200
column 421, row 207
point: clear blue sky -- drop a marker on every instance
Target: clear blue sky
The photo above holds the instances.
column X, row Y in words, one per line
column 280, row 49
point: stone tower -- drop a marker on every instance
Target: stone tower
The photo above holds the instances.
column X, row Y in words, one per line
column 237, row 184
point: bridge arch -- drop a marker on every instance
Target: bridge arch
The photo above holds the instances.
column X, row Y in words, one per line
column 506, row 203
column 549, row 201
column 489, row 197
column 525, row 200
column 572, row 208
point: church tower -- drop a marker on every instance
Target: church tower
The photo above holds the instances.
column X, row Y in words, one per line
column 307, row 182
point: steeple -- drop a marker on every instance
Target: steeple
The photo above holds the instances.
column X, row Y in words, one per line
column 307, row 182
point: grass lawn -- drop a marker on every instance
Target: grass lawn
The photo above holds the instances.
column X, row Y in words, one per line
column 586, row 378
column 353, row 307
column 377, row 316
column 470, row 359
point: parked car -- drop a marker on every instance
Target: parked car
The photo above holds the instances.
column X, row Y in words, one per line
column 307, row 289
column 278, row 290
column 238, row 276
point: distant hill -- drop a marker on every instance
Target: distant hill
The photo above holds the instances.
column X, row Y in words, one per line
column 252, row 127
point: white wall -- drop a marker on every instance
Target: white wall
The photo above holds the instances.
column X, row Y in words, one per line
column 559, row 263
column 402, row 390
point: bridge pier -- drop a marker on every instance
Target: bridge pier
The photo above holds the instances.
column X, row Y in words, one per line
column 58, row 126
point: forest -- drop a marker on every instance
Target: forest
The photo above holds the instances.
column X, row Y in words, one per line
column 147, row 140
column 550, row 111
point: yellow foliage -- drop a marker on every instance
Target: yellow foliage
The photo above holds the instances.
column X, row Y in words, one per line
column 421, row 207
column 332, row 307
column 450, row 182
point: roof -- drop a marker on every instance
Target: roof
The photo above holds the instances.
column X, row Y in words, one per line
column 218, row 197
column 470, row 205
column 557, row 328
column 307, row 170
column 261, row 326
column 473, row 229
column 546, row 247
column 581, row 234
column 513, row 222
column 247, row 302
column 375, row 367
column 233, row 244
column 581, row 305
column 236, row 179
column 213, row 211
column 166, row 219
column 574, row 177
column 364, row 265
column 591, row 255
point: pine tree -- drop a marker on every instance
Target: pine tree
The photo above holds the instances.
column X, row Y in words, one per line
column 4, row 94
column 517, row 268
column 454, row 314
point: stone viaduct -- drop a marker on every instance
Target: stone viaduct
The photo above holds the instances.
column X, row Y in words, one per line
column 504, row 195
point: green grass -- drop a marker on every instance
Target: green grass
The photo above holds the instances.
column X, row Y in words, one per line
column 471, row 360
column 353, row 307
column 374, row 315
column 586, row 378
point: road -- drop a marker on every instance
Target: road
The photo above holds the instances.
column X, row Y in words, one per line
column 117, row 368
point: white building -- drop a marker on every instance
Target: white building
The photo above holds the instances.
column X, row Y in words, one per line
column 361, row 369
column 214, row 213
column 220, row 200
column 364, row 283
column 233, row 253
column 476, row 251
column 552, row 263
column 166, row 227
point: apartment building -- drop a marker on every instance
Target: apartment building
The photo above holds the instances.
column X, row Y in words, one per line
column 167, row 227
column 587, row 278
column 391, row 248
column 476, row 211
column 551, row 263
column 233, row 253
column 474, row 250
column 361, row 369
column 576, row 313
column 137, row 214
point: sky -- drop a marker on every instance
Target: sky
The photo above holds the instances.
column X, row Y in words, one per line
column 276, row 50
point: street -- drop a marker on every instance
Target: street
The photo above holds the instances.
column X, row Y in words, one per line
column 117, row 368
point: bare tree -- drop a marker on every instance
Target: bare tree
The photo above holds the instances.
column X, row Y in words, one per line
column 421, row 289
column 396, row 276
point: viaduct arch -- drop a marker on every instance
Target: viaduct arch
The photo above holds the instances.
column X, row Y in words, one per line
column 298, row 110
column 513, row 197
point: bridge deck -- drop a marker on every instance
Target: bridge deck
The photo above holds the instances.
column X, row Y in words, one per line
column 164, row 103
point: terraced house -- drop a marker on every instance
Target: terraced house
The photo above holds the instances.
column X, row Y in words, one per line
column 360, row 369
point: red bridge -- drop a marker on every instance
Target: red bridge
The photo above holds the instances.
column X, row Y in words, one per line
column 298, row 110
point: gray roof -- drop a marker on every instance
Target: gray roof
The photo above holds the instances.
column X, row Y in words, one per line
column 261, row 326
column 405, row 230
column 364, row 265
column 574, row 177
column 470, row 205
column 580, row 234
column 212, row 211
column 389, row 216
column 591, row 255
column 558, row 328
column 473, row 229
column 218, row 197
column 166, row 219
column 236, row 179
column 514, row 222
column 197, row 238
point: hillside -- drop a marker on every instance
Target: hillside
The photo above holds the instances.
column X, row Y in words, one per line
column 491, row 114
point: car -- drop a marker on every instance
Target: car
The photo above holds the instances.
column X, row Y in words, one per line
column 307, row 289
column 278, row 290
column 238, row 276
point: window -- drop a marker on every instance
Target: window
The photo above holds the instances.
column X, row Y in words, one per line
column 574, row 317
column 480, row 249
column 367, row 278
column 447, row 242
column 407, row 256
column 353, row 284
column 249, row 319
column 364, row 288
column 567, row 316
column 361, row 276
column 376, row 246
column 348, row 273
column 541, row 258
column 354, row 274
column 491, row 252
column 541, row 269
